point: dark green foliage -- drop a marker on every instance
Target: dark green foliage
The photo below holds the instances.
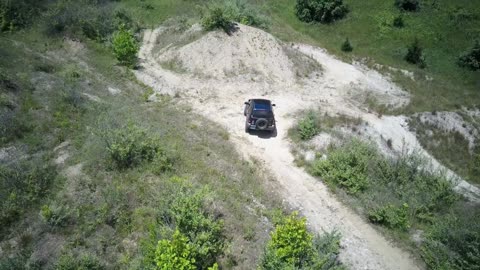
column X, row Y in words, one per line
column 17, row 14
column 471, row 58
column 225, row 16
column 92, row 19
column 218, row 19
column 323, row 11
column 415, row 54
column 83, row 262
column 395, row 217
column 408, row 5
column 398, row 22
column 21, row 186
column 293, row 247
column 454, row 241
column 347, row 167
column 346, row 46
column 307, row 127
column 130, row 146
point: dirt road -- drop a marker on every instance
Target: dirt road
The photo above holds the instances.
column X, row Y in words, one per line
column 216, row 73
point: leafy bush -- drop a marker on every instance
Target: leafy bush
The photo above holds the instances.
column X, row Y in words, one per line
column 347, row 167
column 85, row 262
column 398, row 22
column 203, row 231
column 55, row 216
column 346, row 46
column 130, row 146
column 291, row 242
column 218, row 19
column 93, row 19
column 22, row 185
column 307, row 127
column 125, row 47
column 471, row 58
column 175, row 253
column 391, row 216
column 408, row 5
column 453, row 242
column 224, row 16
column 293, row 247
column 17, row 14
column 323, row 11
column 415, row 54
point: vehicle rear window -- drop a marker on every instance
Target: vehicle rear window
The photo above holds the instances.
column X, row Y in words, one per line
column 261, row 107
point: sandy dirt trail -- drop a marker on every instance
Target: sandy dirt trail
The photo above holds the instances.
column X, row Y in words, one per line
column 220, row 72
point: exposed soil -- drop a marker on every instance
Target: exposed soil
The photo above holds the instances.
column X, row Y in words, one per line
column 220, row 72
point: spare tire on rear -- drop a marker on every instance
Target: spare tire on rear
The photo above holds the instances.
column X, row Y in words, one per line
column 261, row 123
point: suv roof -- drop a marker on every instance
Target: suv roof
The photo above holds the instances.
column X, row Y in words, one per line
column 261, row 104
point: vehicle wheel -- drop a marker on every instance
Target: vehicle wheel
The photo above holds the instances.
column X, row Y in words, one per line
column 262, row 123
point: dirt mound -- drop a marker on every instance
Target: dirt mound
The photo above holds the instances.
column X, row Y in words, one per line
column 248, row 52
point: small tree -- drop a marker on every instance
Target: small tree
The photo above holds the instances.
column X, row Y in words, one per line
column 125, row 47
column 346, row 46
column 471, row 58
column 415, row 54
column 407, row 5
column 323, row 11
column 218, row 19
column 291, row 243
column 175, row 253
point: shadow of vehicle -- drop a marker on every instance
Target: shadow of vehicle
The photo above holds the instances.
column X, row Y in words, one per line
column 264, row 134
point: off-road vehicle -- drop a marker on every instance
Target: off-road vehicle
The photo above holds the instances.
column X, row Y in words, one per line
column 259, row 114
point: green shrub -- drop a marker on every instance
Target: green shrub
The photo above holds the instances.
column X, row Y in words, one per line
column 125, row 47
column 16, row 14
column 85, row 262
column 323, row 11
column 175, row 253
column 398, row 22
column 347, row 166
column 291, row 244
column 293, row 247
column 408, row 5
column 415, row 54
column 454, row 241
column 346, row 46
column 307, row 127
column 471, row 58
column 55, row 216
column 130, row 146
column 395, row 217
column 218, row 19
column 22, row 185
column 203, row 231
column 224, row 16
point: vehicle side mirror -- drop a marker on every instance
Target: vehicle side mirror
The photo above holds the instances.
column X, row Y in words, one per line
column 273, row 105
column 246, row 103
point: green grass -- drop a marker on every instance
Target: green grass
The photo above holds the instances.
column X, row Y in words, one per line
column 96, row 213
column 404, row 199
column 450, row 148
column 367, row 27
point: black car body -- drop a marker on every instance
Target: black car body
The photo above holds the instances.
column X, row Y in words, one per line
column 259, row 115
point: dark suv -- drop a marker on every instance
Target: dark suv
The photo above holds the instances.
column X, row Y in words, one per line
column 259, row 113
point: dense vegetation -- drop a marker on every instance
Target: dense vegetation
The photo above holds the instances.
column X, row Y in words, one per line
column 404, row 197
column 382, row 33
column 117, row 195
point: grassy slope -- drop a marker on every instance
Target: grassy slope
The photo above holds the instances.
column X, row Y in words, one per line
column 107, row 210
column 442, row 38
